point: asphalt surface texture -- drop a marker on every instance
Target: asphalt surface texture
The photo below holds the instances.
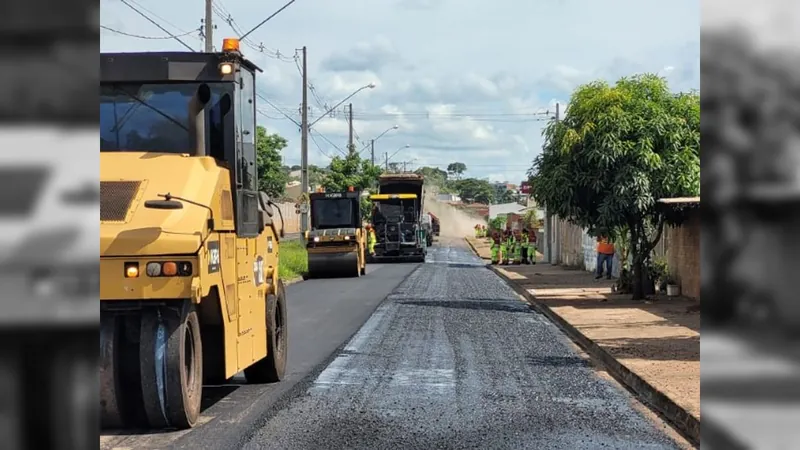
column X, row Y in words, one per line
column 454, row 359
column 436, row 355
column 323, row 314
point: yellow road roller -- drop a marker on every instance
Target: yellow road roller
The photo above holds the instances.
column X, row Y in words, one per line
column 189, row 251
column 336, row 242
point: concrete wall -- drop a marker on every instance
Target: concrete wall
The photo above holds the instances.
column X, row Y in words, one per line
column 679, row 245
column 291, row 219
column 683, row 255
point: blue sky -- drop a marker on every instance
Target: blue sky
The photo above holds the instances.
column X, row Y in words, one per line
column 464, row 80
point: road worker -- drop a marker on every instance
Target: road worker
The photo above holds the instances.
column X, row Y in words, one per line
column 372, row 239
column 524, row 243
column 531, row 246
column 517, row 255
column 504, row 248
column 496, row 245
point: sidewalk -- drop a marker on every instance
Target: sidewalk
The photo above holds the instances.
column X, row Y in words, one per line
column 653, row 347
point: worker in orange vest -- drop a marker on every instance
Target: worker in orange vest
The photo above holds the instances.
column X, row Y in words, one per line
column 605, row 256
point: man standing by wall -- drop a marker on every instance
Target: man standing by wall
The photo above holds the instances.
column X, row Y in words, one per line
column 605, row 255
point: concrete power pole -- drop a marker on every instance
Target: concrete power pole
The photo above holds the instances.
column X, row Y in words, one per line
column 372, row 150
column 386, row 156
column 208, row 27
column 304, row 146
column 550, row 228
column 350, row 147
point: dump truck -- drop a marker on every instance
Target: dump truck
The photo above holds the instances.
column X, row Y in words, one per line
column 189, row 246
column 336, row 242
column 434, row 224
column 396, row 216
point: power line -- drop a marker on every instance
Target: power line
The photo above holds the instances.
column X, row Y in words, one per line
column 267, row 19
column 329, row 141
column 144, row 37
column 228, row 18
column 314, row 140
column 156, row 24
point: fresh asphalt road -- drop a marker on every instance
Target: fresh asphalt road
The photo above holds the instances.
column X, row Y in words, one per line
column 323, row 314
column 450, row 359
column 453, row 359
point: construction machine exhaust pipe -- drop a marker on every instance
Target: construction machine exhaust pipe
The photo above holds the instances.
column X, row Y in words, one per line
column 197, row 119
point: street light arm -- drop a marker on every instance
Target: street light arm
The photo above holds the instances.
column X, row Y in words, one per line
column 398, row 151
column 369, row 86
column 379, row 136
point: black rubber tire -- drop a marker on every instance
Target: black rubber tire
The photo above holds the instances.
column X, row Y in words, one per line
column 272, row 368
column 171, row 366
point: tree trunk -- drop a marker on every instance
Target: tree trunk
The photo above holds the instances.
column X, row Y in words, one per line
column 637, row 289
column 637, row 281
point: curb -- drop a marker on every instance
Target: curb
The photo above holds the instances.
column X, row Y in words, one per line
column 474, row 250
column 293, row 281
column 685, row 423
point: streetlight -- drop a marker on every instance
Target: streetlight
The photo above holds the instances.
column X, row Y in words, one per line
column 369, row 86
column 390, row 157
column 398, row 150
column 304, row 128
column 371, row 144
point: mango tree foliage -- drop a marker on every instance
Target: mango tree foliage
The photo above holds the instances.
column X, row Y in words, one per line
column 617, row 151
column 352, row 170
column 272, row 178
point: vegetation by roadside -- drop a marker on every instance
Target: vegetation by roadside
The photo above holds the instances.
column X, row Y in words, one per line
column 294, row 260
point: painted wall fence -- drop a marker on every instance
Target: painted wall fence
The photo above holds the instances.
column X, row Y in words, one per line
column 680, row 246
column 291, row 218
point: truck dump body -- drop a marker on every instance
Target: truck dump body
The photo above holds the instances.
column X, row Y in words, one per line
column 404, row 183
column 397, row 218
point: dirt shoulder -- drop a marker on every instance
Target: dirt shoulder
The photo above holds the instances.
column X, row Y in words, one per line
column 658, row 339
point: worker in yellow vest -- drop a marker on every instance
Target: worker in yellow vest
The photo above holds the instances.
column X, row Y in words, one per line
column 372, row 239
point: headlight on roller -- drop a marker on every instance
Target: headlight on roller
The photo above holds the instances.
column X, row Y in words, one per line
column 316, row 238
column 156, row 269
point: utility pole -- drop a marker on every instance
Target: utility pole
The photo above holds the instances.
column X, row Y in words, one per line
column 208, row 26
column 550, row 228
column 386, row 155
column 372, row 150
column 350, row 146
column 404, row 166
column 304, row 146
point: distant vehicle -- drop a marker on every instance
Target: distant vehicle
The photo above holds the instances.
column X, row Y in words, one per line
column 434, row 224
column 396, row 216
column 336, row 242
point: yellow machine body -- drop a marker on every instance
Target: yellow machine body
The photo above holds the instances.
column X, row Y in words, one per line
column 336, row 243
column 223, row 266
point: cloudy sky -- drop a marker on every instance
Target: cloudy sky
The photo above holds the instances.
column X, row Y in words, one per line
column 467, row 80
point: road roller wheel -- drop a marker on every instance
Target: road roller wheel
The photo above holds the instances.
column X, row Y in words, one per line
column 171, row 366
column 272, row 368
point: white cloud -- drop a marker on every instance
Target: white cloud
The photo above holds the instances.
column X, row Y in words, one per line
column 457, row 94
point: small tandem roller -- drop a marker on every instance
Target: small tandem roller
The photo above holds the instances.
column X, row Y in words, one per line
column 336, row 243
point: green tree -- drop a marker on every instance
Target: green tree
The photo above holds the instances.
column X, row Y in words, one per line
column 472, row 190
column 619, row 149
column 456, row 169
column 272, row 178
column 352, row 170
column 433, row 176
column 507, row 197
